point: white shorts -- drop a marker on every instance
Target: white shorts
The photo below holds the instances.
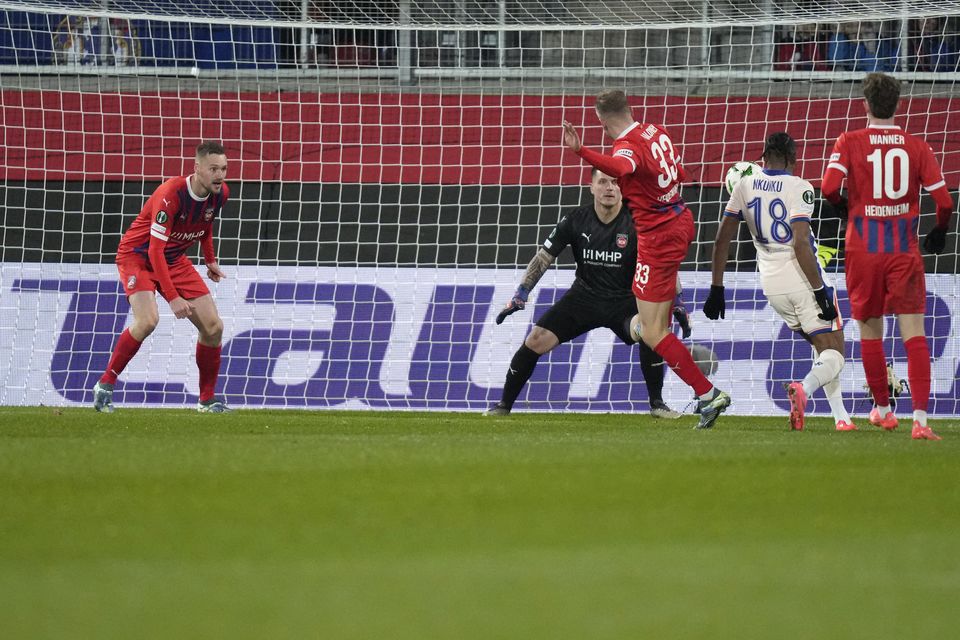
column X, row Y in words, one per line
column 801, row 312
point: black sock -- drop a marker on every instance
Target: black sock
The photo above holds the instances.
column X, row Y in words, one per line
column 651, row 364
column 521, row 368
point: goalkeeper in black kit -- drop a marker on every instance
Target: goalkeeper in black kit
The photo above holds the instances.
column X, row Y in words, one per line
column 604, row 244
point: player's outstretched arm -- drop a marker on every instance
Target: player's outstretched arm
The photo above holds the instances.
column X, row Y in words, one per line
column 830, row 189
column 716, row 305
column 535, row 270
column 936, row 240
column 804, row 252
column 811, row 270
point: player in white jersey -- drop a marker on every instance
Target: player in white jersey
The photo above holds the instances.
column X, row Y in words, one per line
column 777, row 207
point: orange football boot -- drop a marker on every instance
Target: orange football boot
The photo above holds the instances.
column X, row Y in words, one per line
column 923, row 433
column 798, row 405
column 887, row 423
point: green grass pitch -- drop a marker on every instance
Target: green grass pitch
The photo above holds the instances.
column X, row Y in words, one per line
column 275, row 524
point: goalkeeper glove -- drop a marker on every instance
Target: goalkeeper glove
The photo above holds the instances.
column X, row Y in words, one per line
column 825, row 254
column 840, row 209
column 935, row 241
column 517, row 302
column 715, row 306
column 824, row 296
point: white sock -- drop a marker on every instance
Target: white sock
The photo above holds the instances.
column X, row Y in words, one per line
column 884, row 410
column 709, row 394
column 835, row 398
column 921, row 417
column 826, row 367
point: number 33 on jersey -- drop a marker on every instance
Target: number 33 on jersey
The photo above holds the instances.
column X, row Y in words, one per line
column 652, row 189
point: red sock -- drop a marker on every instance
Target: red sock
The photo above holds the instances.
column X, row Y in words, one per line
column 918, row 371
column 875, row 369
column 127, row 347
column 208, row 362
column 679, row 359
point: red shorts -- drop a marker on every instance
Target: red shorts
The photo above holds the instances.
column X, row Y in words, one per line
column 136, row 275
column 659, row 254
column 883, row 283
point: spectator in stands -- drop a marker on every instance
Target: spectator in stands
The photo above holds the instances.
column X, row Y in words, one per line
column 860, row 46
column 873, row 51
column 841, row 47
column 937, row 50
column 800, row 49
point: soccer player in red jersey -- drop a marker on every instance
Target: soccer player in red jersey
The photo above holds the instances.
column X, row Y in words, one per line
column 152, row 256
column 885, row 167
column 647, row 168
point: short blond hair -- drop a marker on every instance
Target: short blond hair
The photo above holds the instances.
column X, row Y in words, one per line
column 612, row 102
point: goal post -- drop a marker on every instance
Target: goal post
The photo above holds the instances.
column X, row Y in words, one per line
column 395, row 164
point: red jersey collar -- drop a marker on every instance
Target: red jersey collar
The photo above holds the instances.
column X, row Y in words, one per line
column 192, row 194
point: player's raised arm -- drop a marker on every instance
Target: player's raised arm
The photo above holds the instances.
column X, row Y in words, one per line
column 615, row 166
column 570, row 137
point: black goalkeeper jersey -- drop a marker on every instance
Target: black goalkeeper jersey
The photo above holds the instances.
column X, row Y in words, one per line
column 606, row 254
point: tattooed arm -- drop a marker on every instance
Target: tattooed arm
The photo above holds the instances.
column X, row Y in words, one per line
column 536, row 268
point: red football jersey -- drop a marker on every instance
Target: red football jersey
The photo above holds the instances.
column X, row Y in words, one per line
column 652, row 189
column 885, row 168
column 175, row 216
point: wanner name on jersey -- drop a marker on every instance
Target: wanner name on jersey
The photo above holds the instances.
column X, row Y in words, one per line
column 887, row 138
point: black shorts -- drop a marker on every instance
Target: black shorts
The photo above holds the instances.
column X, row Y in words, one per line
column 578, row 312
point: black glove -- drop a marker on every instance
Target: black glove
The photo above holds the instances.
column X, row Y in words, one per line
column 936, row 240
column 683, row 319
column 840, row 209
column 715, row 306
column 824, row 296
column 517, row 302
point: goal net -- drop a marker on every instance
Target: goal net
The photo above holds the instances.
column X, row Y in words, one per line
column 395, row 164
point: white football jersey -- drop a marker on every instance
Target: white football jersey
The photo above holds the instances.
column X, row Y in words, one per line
column 769, row 203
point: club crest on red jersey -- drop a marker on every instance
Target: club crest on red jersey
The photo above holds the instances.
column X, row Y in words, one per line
column 208, row 214
column 621, row 240
column 131, row 282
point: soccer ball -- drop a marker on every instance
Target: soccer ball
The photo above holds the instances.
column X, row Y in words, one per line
column 740, row 171
column 705, row 359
